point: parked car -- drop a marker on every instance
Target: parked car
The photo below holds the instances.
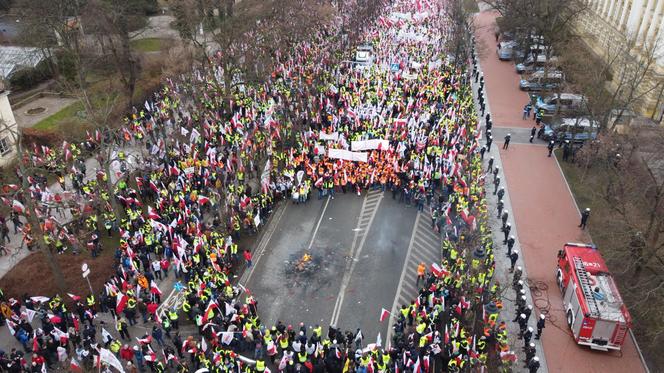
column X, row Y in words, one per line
column 572, row 129
column 564, row 103
column 508, row 50
column 531, row 64
column 537, row 81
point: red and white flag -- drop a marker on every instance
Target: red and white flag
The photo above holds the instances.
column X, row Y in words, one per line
column 121, row 302
column 383, row 314
column 154, row 289
column 17, row 206
column 152, row 214
column 75, row 366
column 438, row 271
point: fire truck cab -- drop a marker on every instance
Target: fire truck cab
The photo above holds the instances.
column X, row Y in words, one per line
column 593, row 307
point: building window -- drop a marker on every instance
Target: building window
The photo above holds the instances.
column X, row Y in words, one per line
column 5, row 146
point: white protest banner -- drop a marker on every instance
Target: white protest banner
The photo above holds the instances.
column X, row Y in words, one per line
column 189, row 170
column 107, row 356
column 347, row 155
column 369, row 144
column 334, row 136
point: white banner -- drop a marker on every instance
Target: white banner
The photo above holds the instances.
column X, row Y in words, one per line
column 107, row 356
column 334, row 136
column 347, row 155
column 369, row 144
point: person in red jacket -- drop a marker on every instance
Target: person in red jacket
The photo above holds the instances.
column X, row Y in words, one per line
column 126, row 353
column 247, row 257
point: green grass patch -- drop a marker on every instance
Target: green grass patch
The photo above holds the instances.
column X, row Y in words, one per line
column 68, row 113
column 148, row 44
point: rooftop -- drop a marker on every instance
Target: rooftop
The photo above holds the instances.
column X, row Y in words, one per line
column 13, row 59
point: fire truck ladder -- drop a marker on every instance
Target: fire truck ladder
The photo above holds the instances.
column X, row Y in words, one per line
column 584, row 281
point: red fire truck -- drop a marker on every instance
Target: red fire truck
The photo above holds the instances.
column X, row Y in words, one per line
column 594, row 309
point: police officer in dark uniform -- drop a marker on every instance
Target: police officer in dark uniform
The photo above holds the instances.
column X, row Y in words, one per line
column 500, row 206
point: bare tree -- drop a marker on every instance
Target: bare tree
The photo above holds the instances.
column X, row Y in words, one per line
column 27, row 171
column 112, row 23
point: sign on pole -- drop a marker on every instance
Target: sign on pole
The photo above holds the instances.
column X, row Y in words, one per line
column 85, row 269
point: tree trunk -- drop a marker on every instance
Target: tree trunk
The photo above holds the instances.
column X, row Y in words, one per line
column 38, row 235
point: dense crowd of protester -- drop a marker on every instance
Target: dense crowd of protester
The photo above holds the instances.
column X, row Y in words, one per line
column 403, row 122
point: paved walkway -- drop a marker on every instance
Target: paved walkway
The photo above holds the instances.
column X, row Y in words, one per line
column 50, row 103
column 500, row 77
column 545, row 217
column 18, row 253
column 158, row 27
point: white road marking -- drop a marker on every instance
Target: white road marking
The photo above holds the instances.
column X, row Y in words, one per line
column 356, row 250
column 260, row 249
column 401, row 279
column 313, row 236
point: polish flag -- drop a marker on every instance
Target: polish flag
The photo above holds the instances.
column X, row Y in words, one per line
column 145, row 341
column 152, row 214
column 203, row 200
column 121, row 302
column 18, row 206
column 383, row 314
column 154, row 289
column 75, row 298
column 426, row 363
column 75, row 366
column 417, row 366
column 211, row 306
column 438, row 271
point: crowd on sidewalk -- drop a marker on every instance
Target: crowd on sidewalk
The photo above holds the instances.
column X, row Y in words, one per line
column 405, row 123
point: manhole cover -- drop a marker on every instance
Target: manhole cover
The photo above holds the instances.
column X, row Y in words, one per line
column 35, row 110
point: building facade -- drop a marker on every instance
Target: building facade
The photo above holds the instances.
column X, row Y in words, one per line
column 610, row 22
column 8, row 130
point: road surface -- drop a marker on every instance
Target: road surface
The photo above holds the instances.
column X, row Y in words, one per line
column 359, row 244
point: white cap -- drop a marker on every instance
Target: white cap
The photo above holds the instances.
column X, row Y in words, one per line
column 509, row 134
column 523, row 316
column 536, row 358
column 334, row 341
column 530, row 328
column 530, row 306
column 542, row 316
column 516, row 251
column 520, row 282
column 519, row 268
column 512, row 237
column 523, row 296
column 587, row 208
column 532, row 344
column 506, row 210
column 502, row 201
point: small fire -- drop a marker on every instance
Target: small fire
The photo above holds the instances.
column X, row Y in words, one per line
column 302, row 262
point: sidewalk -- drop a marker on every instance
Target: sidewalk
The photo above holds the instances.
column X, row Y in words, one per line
column 7, row 262
column 545, row 216
column 502, row 275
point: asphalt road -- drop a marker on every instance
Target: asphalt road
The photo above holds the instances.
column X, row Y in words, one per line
column 358, row 244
